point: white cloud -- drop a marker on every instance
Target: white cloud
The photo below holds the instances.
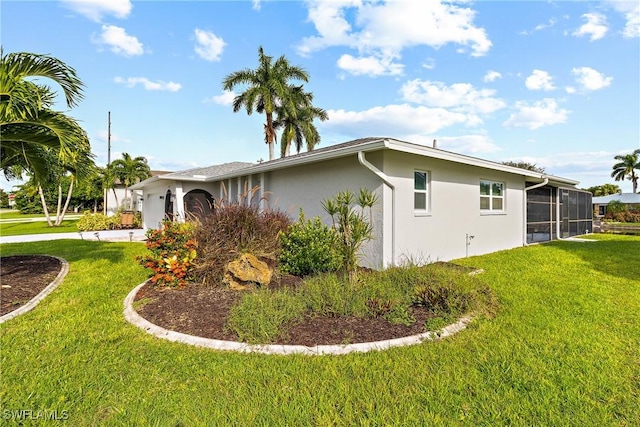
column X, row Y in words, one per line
column 370, row 66
column 491, row 76
column 465, row 144
column 395, row 120
column 148, row 84
column 255, row 4
column 208, row 46
column 383, row 29
column 596, row 26
column 590, row 167
column 429, row 64
column 590, row 79
column 119, row 41
column 96, row 9
column 460, row 97
column 552, row 22
column 539, row 80
column 225, row 98
column 541, row 113
column 631, row 11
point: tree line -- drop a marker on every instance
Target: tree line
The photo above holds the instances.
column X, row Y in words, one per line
column 49, row 148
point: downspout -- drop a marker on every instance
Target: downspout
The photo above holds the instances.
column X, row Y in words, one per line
column 524, row 210
column 363, row 161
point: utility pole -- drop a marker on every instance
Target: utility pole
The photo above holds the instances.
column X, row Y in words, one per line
column 106, row 190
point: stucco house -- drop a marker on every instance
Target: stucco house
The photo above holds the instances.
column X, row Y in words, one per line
column 434, row 205
column 631, row 200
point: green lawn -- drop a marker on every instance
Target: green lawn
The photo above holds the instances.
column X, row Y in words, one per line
column 37, row 227
column 563, row 350
column 11, row 214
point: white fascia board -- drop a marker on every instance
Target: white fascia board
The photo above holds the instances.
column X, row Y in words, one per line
column 142, row 184
column 474, row 161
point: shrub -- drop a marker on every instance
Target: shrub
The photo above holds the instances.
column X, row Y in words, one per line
column 97, row 221
column 626, row 216
column 616, row 206
column 309, row 247
column 173, row 253
column 232, row 229
column 354, row 228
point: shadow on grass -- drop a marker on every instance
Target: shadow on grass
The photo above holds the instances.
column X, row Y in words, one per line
column 70, row 250
column 615, row 255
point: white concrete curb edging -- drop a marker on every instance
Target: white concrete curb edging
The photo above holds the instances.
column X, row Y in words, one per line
column 133, row 317
column 46, row 291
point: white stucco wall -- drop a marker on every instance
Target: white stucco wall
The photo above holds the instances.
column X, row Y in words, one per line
column 454, row 194
column 439, row 235
column 307, row 186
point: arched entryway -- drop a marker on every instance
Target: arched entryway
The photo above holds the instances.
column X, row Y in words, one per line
column 168, row 205
column 197, row 204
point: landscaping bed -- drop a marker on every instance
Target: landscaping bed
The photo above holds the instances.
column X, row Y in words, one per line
column 23, row 277
column 202, row 311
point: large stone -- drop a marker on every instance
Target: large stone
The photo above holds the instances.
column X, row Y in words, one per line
column 246, row 272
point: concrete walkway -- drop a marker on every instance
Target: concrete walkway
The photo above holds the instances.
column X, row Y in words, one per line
column 136, row 235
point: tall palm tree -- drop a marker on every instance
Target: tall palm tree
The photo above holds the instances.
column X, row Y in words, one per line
column 297, row 123
column 267, row 89
column 627, row 167
column 27, row 122
column 130, row 170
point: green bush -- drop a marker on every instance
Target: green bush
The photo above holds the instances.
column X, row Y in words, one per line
column 309, row 247
column 626, row 216
column 96, row 222
column 616, row 206
column 172, row 254
column 233, row 229
column 260, row 316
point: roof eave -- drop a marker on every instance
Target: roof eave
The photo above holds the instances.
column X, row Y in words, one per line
column 309, row 157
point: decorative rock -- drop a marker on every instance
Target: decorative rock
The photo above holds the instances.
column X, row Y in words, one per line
column 247, row 271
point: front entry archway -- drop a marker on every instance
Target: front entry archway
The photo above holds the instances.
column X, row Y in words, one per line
column 198, row 204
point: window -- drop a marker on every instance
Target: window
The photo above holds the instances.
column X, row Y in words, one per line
column 491, row 196
column 420, row 189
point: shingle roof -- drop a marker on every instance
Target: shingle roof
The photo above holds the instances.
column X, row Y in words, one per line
column 626, row 198
column 208, row 171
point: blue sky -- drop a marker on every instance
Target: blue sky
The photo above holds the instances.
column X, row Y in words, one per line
column 554, row 83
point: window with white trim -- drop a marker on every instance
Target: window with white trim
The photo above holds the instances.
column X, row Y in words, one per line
column 420, row 191
column 491, row 196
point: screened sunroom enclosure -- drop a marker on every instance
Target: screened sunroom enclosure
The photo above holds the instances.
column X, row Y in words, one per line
column 554, row 212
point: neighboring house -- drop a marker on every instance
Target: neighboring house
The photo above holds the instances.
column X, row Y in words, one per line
column 632, row 201
column 122, row 201
column 434, row 205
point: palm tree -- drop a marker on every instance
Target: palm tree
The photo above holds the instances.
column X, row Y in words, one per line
column 267, row 89
column 27, row 122
column 297, row 123
column 627, row 167
column 129, row 171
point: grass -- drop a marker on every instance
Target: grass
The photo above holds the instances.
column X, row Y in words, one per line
column 562, row 350
column 37, row 227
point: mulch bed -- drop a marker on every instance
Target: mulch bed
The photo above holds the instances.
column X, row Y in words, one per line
column 202, row 311
column 22, row 277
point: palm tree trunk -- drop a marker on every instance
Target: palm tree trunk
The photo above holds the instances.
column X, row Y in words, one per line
column 44, row 205
column 130, row 198
column 270, row 136
column 59, row 202
column 116, row 196
column 66, row 204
